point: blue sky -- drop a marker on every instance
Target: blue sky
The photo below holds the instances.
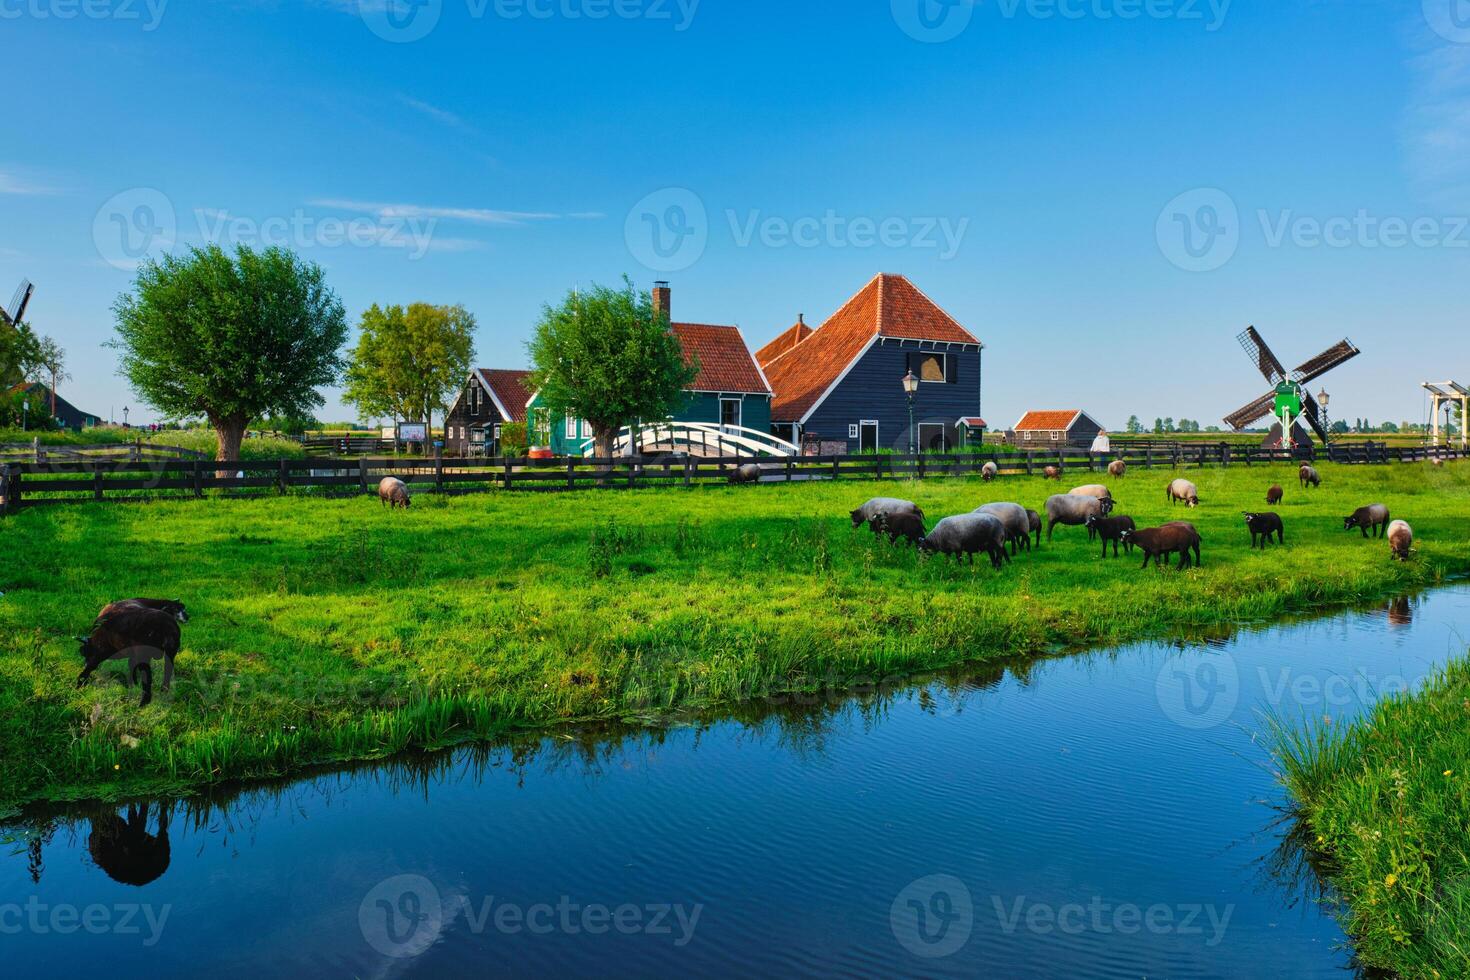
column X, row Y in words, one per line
column 1033, row 165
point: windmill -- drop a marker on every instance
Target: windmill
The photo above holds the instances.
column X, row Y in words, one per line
column 1288, row 400
column 16, row 312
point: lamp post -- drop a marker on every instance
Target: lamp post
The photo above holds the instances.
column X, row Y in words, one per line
column 1324, row 399
column 125, row 416
column 25, row 412
column 911, row 388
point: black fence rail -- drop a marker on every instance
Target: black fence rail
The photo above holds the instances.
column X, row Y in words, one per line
column 37, row 452
column 79, row 481
column 346, row 445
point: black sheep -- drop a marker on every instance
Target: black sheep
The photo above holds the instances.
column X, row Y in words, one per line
column 908, row 526
column 173, row 607
column 136, row 634
column 1159, row 543
column 1111, row 529
column 1263, row 526
column 1374, row 516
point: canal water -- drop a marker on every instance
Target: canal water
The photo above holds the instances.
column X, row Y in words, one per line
column 1102, row 815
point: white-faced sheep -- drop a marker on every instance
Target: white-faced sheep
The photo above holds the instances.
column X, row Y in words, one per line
column 393, row 492
column 1092, row 490
column 1018, row 525
column 884, row 505
column 1118, row 468
column 967, row 534
column 1070, row 511
column 1182, row 490
column 137, row 634
column 1401, row 539
column 1374, row 517
column 1309, row 476
column 989, row 471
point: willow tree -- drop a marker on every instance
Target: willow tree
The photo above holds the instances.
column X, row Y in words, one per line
column 230, row 338
column 606, row 357
column 408, row 361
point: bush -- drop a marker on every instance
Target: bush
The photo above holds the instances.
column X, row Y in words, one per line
column 513, row 439
column 205, row 441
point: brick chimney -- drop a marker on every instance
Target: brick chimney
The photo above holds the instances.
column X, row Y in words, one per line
column 661, row 297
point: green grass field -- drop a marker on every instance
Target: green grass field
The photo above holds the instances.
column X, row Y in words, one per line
column 1386, row 803
column 333, row 629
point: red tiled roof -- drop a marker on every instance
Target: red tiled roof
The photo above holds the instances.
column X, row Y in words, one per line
column 509, row 388
column 888, row 306
column 784, row 341
column 1048, row 421
column 725, row 363
column 973, row 422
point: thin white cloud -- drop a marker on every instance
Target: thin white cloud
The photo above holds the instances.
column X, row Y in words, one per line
column 435, row 113
column 481, row 216
column 19, row 186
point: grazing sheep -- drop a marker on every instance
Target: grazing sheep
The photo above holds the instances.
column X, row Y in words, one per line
column 884, row 505
column 1035, row 520
column 1401, row 539
column 1182, row 490
column 173, row 607
column 966, row 535
column 1070, row 511
column 1051, row 473
column 1018, row 525
column 393, row 492
column 1118, row 468
column 1373, row 516
column 1159, row 543
column 1274, row 495
column 746, row 473
column 989, row 471
column 1309, row 475
column 910, row 527
column 1436, row 461
column 1112, row 529
column 1092, row 490
column 1263, row 526
column 137, row 634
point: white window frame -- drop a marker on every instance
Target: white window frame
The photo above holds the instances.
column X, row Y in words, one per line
column 574, row 426
column 1056, row 436
column 943, row 367
column 739, row 410
column 877, row 433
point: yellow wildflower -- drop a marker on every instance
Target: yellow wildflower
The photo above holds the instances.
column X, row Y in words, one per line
column 1391, row 880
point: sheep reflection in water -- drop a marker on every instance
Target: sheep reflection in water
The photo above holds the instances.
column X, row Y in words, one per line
column 122, row 846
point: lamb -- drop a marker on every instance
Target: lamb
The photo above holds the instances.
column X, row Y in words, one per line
column 1065, row 509
column 1118, row 468
column 884, row 505
column 1035, row 520
column 173, row 607
column 1017, row 523
column 1263, row 526
column 967, row 534
column 1373, row 516
column 989, row 471
column 1308, row 474
column 393, row 492
column 1401, row 539
column 910, row 527
column 137, row 634
column 1182, row 490
column 1274, row 495
column 1051, row 473
column 1159, row 543
column 747, row 473
column 1112, row 529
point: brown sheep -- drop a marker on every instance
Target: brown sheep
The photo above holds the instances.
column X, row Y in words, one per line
column 1274, row 495
column 1401, row 539
column 1051, row 473
column 1111, row 529
column 747, row 473
column 906, row 525
column 1374, row 516
column 1159, row 543
column 137, row 634
column 393, row 492
column 1118, row 468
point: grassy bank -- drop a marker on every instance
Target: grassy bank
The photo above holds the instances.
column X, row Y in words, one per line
column 332, row 629
column 1386, row 802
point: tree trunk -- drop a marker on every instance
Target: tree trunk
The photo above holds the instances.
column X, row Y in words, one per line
column 603, row 440
column 231, row 432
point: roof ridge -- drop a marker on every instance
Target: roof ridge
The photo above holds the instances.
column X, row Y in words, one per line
column 959, row 326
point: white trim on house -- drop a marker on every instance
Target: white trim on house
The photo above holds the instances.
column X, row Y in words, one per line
column 739, row 402
column 877, row 433
column 840, row 378
column 490, row 390
column 758, row 369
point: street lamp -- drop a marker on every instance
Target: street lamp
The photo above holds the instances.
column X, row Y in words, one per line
column 125, row 416
column 1324, row 399
column 911, row 388
column 25, row 411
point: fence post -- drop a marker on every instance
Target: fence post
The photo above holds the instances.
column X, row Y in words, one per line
column 507, row 472
column 571, row 473
column 836, row 465
column 362, row 473
column 633, row 471
column 438, row 469
column 1029, row 469
column 4, row 489
column 789, row 466
column 13, row 490
column 688, row 471
column 1148, row 458
column 198, row 478
column 282, row 479
column 96, row 481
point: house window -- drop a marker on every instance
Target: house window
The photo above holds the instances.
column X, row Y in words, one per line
column 543, row 426
column 933, row 368
column 1056, row 437
column 1026, row 436
column 474, row 394
column 572, row 427
column 730, row 411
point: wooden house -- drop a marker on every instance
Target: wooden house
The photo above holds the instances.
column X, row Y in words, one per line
column 45, row 402
column 1067, row 428
column 839, row 388
column 491, row 398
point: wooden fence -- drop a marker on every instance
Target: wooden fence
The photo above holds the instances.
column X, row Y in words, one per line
column 79, row 481
column 38, row 452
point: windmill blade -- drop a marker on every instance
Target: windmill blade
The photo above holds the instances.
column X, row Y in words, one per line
column 20, row 301
column 1265, row 361
column 1339, row 353
column 1314, row 416
column 1254, row 412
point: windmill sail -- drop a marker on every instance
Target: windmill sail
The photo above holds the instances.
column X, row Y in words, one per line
column 1265, row 361
column 1254, row 412
column 1340, row 353
column 17, row 310
column 1314, row 415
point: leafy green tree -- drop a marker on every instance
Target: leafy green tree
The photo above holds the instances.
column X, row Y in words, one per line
column 1134, row 426
column 605, row 357
column 408, row 361
column 1158, row 427
column 230, row 338
column 20, row 350
column 1169, row 424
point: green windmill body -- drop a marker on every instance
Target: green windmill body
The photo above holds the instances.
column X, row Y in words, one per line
column 1288, row 400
